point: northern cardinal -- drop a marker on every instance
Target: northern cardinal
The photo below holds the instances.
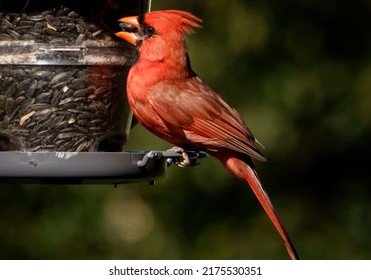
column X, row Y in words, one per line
column 171, row 101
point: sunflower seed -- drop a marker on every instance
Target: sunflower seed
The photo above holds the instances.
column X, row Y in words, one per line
column 60, row 77
column 65, row 101
column 36, row 17
column 26, row 104
column 31, row 89
column 44, row 96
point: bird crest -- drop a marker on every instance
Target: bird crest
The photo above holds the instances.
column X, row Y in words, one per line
column 172, row 20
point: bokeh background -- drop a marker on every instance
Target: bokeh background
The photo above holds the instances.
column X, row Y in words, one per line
column 299, row 72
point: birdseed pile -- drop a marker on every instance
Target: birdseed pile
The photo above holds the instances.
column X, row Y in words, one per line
column 51, row 98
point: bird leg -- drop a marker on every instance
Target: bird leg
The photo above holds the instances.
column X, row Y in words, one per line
column 185, row 161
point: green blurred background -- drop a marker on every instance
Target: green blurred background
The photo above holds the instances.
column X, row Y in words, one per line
column 299, row 72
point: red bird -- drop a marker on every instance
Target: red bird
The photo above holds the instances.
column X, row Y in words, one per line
column 172, row 102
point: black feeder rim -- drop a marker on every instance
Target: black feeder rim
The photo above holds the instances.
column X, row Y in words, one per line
column 86, row 167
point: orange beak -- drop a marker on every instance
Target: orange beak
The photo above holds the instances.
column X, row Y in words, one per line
column 130, row 27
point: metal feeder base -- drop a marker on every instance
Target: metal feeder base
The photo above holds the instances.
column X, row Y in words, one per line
column 86, row 167
column 77, row 168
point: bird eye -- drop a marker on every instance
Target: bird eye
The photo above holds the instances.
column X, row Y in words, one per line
column 149, row 30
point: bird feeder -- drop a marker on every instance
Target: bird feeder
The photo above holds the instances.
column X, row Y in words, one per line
column 64, row 117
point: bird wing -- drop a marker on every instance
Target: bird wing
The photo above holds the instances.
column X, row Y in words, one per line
column 204, row 118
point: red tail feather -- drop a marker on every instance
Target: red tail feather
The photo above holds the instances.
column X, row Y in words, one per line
column 248, row 174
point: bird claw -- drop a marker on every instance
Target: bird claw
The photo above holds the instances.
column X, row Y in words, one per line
column 185, row 161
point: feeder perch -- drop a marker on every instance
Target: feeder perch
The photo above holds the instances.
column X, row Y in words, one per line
column 64, row 117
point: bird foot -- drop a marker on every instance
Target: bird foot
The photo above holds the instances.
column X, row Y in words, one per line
column 185, row 161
